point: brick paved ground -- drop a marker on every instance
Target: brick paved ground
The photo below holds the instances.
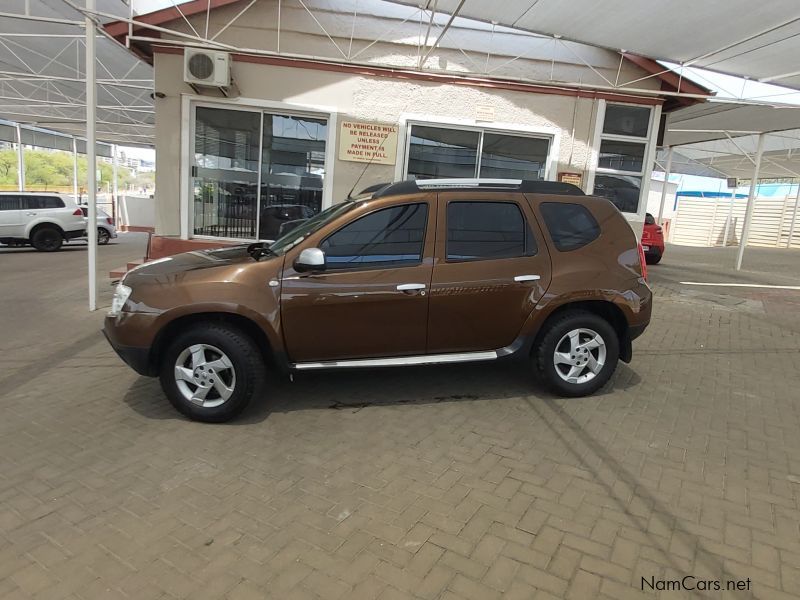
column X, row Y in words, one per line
column 458, row 482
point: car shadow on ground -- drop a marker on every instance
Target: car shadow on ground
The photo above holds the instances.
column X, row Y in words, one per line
column 358, row 389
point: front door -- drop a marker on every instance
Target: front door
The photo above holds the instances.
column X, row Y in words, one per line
column 372, row 299
column 492, row 268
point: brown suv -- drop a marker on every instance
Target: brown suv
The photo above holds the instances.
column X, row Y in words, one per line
column 414, row 273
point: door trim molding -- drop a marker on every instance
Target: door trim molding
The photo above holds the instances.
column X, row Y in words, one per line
column 399, row 361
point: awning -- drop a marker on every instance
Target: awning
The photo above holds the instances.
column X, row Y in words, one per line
column 760, row 40
column 42, row 58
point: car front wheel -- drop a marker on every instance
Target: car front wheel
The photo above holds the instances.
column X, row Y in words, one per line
column 211, row 372
column 577, row 354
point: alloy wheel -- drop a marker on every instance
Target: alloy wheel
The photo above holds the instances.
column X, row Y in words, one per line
column 579, row 356
column 205, row 375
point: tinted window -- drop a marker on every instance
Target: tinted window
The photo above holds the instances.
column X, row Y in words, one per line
column 570, row 225
column 481, row 230
column 39, row 202
column 386, row 238
column 626, row 120
column 9, row 202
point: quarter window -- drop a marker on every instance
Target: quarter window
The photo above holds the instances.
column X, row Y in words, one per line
column 571, row 226
column 487, row 230
column 391, row 237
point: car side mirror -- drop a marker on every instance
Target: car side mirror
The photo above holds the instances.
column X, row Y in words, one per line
column 310, row 259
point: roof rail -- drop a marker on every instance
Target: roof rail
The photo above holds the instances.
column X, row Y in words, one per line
column 413, row 186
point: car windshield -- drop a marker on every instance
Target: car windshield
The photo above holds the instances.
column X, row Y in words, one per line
column 298, row 234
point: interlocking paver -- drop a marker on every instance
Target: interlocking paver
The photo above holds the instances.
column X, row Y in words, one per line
column 460, row 482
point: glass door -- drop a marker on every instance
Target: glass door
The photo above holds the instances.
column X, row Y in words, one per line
column 225, row 172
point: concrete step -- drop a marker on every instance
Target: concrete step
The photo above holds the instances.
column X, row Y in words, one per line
column 119, row 272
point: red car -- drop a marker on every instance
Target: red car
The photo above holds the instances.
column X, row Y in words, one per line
column 652, row 240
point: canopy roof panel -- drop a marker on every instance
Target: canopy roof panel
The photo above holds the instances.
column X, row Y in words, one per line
column 760, row 40
column 42, row 66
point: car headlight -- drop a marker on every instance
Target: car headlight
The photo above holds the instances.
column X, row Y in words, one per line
column 121, row 294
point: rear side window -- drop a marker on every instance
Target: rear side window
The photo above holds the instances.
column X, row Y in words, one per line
column 571, row 226
column 39, row 202
column 9, row 203
column 391, row 237
column 487, row 230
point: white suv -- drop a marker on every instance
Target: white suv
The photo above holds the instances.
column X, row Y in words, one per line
column 43, row 220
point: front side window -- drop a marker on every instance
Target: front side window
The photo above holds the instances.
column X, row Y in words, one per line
column 391, row 237
column 571, row 226
column 487, row 230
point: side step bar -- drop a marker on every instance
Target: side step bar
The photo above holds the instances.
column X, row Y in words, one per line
column 400, row 361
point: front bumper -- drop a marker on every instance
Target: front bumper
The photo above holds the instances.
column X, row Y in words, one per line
column 135, row 357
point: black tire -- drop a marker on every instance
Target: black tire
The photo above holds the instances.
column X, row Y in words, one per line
column 543, row 357
column 103, row 236
column 247, row 364
column 652, row 259
column 47, row 238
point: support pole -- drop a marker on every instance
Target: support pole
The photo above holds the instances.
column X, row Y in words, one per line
column 91, row 154
column 20, row 161
column 729, row 220
column 75, row 170
column 794, row 216
column 114, row 188
column 751, row 200
column 664, row 187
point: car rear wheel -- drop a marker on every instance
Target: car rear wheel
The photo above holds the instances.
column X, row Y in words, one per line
column 578, row 354
column 653, row 258
column 211, row 372
column 47, row 239
column 103, row 236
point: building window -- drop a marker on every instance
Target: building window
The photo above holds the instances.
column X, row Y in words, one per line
column 255, row 170
column 623, row 155
column 438, row 152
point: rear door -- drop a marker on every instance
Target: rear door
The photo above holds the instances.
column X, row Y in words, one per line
column 10, row 216
column 491, row 270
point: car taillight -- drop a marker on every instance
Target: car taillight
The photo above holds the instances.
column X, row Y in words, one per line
column 643, row 262
column 109, row 220
column 78, row 213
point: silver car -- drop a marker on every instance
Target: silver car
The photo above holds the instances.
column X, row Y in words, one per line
column 105, row 225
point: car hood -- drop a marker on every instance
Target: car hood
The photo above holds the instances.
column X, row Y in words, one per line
column 196, row 260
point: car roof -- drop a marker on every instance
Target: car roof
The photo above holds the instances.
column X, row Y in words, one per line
column 27, row 193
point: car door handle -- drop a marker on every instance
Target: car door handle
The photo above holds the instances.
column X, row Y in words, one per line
column 30, row 214
column 410, row 287
column 527, row 278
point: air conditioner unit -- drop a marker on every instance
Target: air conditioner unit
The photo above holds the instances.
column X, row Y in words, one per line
column 207, row 68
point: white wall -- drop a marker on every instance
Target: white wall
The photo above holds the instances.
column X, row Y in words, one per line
column 136, row 211
column 654, row 198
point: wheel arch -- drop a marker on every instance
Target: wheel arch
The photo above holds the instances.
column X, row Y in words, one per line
column 605, row 309
column 37, row 225
column 246, row 325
